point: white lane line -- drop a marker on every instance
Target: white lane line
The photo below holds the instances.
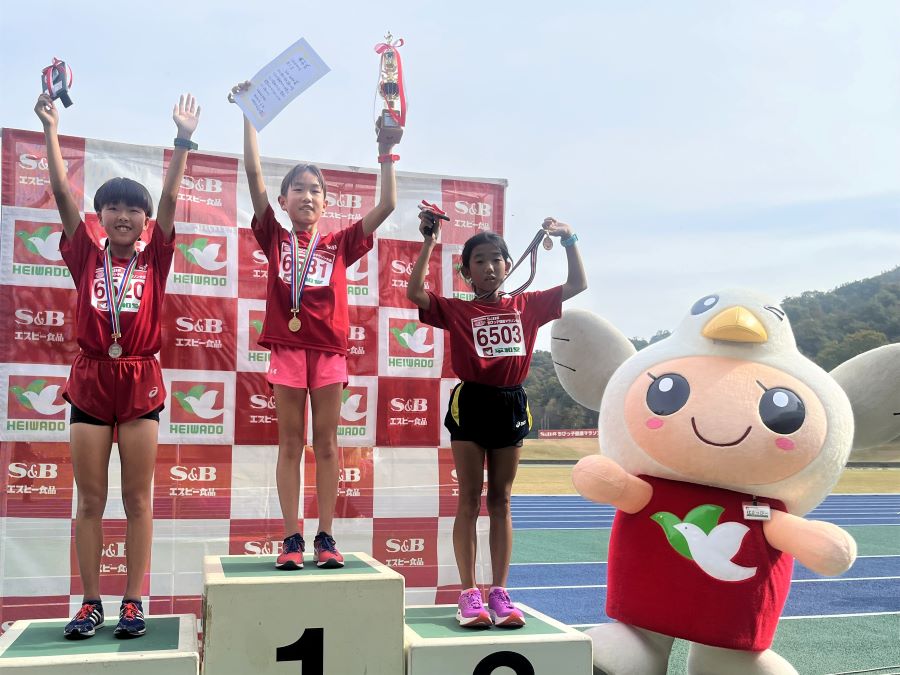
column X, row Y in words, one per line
column 793, row 581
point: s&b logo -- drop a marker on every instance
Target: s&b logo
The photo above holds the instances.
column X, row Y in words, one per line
column 193, row 474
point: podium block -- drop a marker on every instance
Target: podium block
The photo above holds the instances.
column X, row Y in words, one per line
column 39, row 648
column 257, row 619
column 436, row 644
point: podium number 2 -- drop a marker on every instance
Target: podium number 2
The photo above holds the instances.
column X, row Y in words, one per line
column 309, row 648
column 518, row 663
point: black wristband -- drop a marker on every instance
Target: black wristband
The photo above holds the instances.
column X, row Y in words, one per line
column 185, row 143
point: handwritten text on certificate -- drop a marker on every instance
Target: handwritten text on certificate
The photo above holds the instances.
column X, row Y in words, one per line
column 280, row 82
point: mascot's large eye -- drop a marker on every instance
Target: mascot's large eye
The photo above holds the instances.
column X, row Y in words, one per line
column 704, row 304
column 782, row 410
column 668, row 394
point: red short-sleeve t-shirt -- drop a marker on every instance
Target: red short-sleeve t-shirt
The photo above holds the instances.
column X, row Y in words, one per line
column 141, row 310
column 491, row 343
column 323, row 311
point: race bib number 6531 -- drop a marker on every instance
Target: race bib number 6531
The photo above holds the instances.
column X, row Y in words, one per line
column 498, row 335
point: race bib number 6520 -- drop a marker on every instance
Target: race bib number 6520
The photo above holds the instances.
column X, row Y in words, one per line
column 498, row 335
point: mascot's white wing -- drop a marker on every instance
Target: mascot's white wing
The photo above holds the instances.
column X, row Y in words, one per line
column 872, row 383
column 586, row 351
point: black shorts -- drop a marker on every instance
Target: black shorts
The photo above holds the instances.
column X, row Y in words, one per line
column 78, row 415
column 492, row 417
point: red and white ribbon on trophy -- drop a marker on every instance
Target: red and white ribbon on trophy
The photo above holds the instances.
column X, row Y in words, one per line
column 388, row 51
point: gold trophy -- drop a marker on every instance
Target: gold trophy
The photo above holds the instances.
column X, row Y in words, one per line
column 390, row 121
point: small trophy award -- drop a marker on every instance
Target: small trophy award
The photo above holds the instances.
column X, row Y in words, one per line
column 390, row 120
column 56, row 80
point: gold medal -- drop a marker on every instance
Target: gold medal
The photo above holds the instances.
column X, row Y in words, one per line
column 548, row 243
column 294, row 324
column 115, row 350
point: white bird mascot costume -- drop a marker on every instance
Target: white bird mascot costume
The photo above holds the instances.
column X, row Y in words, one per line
column 715, row 442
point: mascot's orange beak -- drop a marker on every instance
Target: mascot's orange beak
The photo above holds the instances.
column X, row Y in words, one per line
column 735, row 324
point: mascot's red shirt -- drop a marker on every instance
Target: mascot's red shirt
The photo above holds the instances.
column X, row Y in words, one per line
column 689, row 565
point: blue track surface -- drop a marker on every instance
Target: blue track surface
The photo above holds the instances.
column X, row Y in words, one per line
column 575, row 593
column 531, row 512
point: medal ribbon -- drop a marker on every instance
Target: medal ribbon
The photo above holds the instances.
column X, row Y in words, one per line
column 381, row 48
column 530, row 252
column 48, row 74
column 115, row 298
column 298, row 277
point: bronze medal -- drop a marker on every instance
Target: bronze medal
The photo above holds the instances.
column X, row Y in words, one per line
column 294, row 324
column 115, row 350
column 548, row 243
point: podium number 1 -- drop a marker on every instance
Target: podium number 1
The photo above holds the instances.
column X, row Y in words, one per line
column 513, row 660
column 309, row 648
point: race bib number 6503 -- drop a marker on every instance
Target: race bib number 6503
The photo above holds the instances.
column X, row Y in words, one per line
column 498, row 335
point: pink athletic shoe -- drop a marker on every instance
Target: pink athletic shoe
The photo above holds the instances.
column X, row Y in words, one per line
column 471, row 612
column 503, row 611
column 292, row 555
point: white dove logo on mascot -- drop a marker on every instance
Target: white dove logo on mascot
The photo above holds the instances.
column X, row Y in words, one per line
column 715, row 442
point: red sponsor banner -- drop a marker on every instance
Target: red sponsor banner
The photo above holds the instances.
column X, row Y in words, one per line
column 35, row 397
column 38, row 326
column 14, row 608
column 26, row 178
column 208, row 191
column 358, row 281
column 355, row 486
column 410, row 340
column 409, row 545
column 472, row 208
column 350, row 196
column 461, row 288
column 567, row 433
column 357, row 420
column 395, row 262
column 36, row 249
column 253, row 271
column 449, row 595
column 256, row 321
column 113, row 567
column 255, row 419
column 176, row 604
column 197, row 402
column 38, row 479
column 448, row 486
column 409, row 412
column 256, row 536
column 362, row 338
column 199, row 329
column 201, row 259
column 192, row 481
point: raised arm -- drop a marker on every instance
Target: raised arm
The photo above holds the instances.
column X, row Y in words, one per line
column 59, row 180
column 186, row 115
column 416, row 289
column 388, row 201
column 252, row 164
column 577, row 279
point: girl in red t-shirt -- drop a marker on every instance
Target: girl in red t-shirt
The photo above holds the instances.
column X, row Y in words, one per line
column 116, row 380
column 306, row 328
column 491, row 340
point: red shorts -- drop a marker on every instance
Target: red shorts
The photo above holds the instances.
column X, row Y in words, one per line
column 115, row 390
column 305, row 368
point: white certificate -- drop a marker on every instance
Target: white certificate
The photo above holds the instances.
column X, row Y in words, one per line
column 280, row 82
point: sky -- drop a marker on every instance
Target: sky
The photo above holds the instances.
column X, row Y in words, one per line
column 693, row 146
